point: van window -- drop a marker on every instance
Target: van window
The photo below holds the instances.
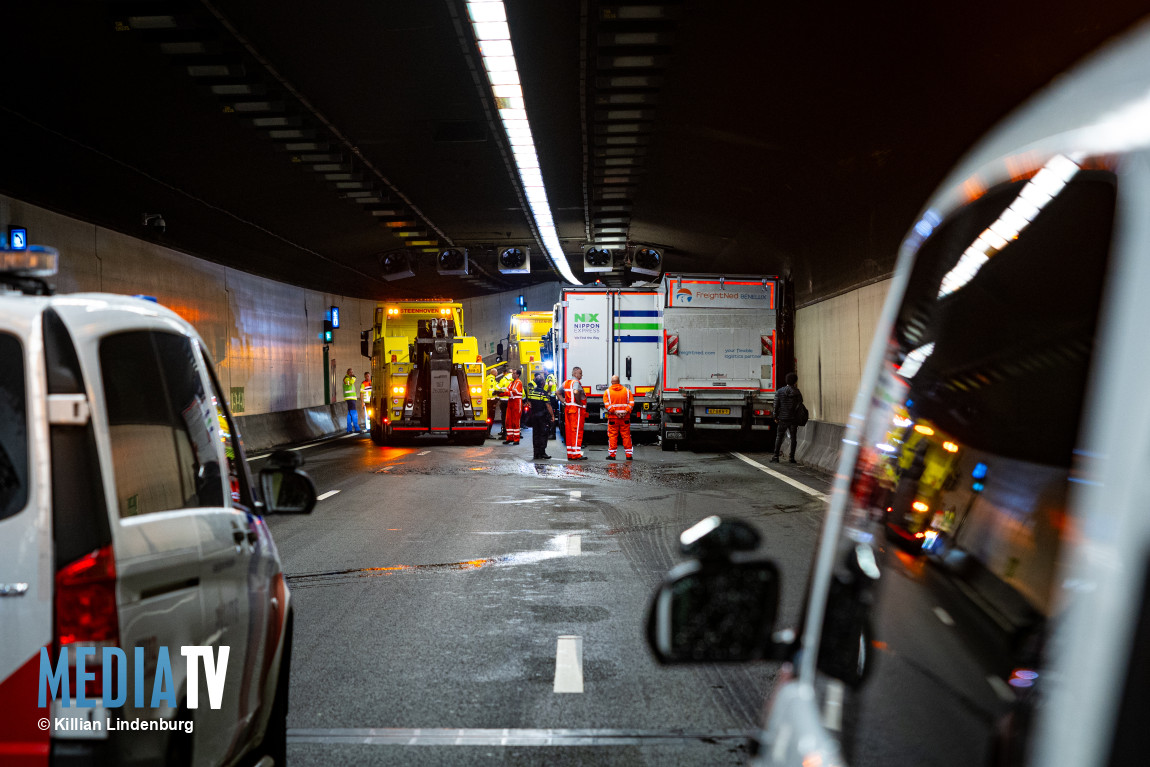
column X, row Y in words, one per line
column 13, row 428
column 964, row 469
column 241, row 493
column 160, row 421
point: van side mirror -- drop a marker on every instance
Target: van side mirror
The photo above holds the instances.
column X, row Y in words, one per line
column 286, row 489
column 720, row 606
column 365, row 342
column 844, row 647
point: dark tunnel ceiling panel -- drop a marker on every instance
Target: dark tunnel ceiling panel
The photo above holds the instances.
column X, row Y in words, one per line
column 786, row 139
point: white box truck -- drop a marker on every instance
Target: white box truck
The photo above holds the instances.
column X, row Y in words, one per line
column 718, row 372
column 611, row 331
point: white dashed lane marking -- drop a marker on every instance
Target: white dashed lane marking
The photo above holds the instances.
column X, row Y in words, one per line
column 569, row 664
column 326, row 495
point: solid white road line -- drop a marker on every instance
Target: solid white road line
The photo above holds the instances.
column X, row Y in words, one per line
column 425, row 452
column 310, row 444
column 574, row 545
column 569, row 664
column 328, row 494
column 430, row 736
column 779, row 475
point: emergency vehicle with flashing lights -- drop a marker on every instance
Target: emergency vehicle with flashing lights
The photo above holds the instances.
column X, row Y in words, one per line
column 427, row 377
column 129, row 519
column 611, row 331
column 980, row 593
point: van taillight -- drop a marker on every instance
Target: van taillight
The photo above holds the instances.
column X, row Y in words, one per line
column 86, row 609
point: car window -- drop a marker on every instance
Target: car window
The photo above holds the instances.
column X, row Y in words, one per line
column 13, row 428
column 160, row 424
column 964, row 470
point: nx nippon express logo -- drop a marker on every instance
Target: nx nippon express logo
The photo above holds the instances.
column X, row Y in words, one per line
column 82, row 668
column 586, row 323
column 685, row 294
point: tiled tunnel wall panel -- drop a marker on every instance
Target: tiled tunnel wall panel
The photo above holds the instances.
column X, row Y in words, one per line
column 832, row 340
column 262, row 334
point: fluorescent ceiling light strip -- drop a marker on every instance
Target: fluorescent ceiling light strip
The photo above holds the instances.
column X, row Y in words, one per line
column 1045, row 185
column 489, row 24
column 914, row 360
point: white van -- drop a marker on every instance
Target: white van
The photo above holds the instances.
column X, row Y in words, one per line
column 130, row 530
column 981, row 594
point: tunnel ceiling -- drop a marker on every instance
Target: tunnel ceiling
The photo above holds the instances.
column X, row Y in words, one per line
column 306, row 141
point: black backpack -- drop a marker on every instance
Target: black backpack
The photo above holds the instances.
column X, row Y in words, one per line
column 801, row 415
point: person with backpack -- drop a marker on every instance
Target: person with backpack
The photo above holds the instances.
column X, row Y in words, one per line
column 790, row 414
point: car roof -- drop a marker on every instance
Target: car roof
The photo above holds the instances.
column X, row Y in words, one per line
column 94, row 315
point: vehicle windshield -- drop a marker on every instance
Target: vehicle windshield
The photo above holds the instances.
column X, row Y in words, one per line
column 13, row 428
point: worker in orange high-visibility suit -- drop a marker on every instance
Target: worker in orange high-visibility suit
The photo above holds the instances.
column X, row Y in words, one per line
column 618, row 402
column 514, row 408
column 574, row 414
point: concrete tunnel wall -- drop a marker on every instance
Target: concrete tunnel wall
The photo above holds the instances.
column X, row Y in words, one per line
column 263, row 334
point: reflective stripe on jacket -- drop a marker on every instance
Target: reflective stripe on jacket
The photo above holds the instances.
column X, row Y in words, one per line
column 569, row 394
column 618, row 401
column 349, row 387
column 536, row 393
column 365, row 391
column 515, row 390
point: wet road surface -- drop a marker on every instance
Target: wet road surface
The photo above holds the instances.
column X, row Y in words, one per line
column 438, row 591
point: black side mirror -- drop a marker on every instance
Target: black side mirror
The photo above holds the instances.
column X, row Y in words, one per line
column 365, row 343
column 844, row 646
column 720, row 606
column 286, row 489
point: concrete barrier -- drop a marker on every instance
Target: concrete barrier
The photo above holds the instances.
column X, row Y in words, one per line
column 267, row 431
column 819, row 444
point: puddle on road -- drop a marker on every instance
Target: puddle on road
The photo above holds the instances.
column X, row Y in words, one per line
column 557, row 547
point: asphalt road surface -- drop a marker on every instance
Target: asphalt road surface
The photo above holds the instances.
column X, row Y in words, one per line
column 467, row 605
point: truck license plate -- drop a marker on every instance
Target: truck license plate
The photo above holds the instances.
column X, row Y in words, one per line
column 718, row 411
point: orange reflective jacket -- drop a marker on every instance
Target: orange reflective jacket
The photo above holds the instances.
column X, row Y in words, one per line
column 618, row 401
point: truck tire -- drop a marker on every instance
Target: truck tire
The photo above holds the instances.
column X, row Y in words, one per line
column 380, row 436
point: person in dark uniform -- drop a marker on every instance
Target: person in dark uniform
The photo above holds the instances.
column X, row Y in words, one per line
column 787, row 401
column 541, row 418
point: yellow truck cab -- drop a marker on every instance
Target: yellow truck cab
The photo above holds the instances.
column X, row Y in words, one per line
column 427, row 377
column 526, row 346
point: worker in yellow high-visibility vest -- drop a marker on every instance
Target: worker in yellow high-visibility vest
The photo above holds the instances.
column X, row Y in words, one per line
column 350, row 396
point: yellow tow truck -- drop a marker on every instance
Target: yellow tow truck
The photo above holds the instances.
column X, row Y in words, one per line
column 526, row 345
column 427, row 377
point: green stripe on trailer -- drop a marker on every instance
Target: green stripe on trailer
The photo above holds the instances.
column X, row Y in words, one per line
column 636, row 325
